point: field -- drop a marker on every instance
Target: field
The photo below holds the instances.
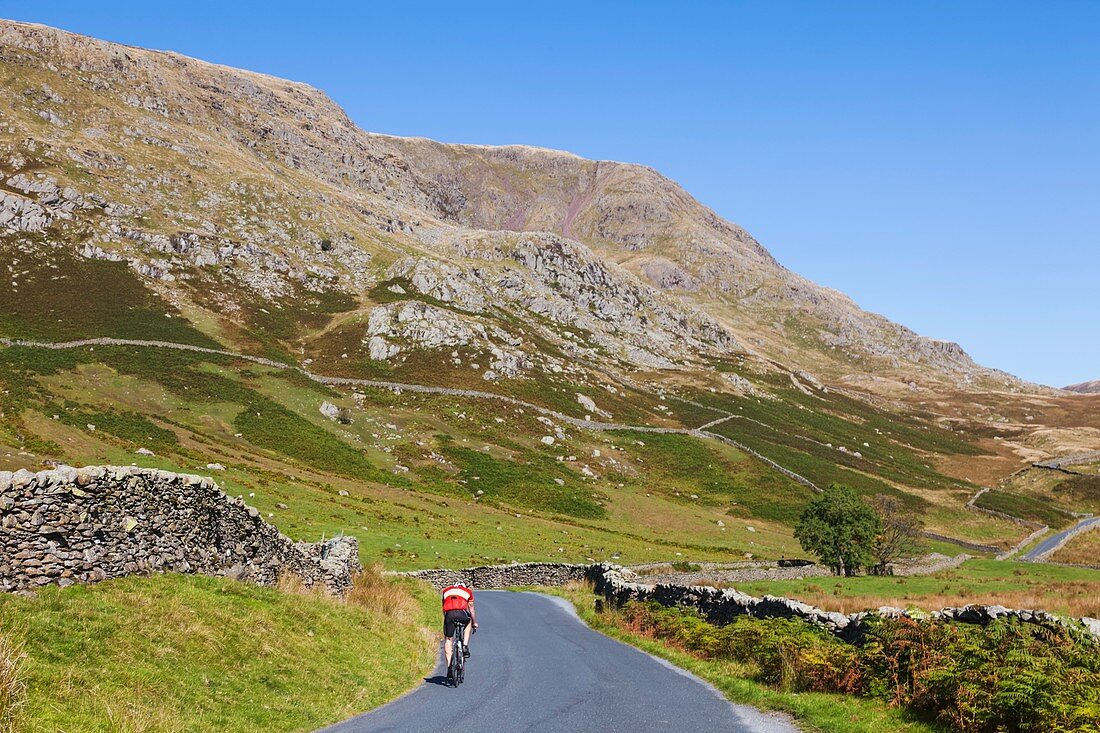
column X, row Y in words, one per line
column 182, row 654
column 1076, row 493
column 1084, row 549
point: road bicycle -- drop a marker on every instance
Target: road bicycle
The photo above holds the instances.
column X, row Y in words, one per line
column 457, row 671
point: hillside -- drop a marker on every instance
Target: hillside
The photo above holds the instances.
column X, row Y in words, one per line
column 1092, row 387
column 594, row 364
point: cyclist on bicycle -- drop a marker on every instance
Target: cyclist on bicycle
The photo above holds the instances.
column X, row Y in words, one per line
column 458, row 608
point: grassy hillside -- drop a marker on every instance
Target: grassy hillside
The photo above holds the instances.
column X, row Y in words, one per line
column 177, row 654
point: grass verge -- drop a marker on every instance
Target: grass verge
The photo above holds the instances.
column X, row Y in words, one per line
column 183, row 653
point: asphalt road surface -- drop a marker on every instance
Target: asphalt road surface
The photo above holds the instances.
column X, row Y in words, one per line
column 536, row 667
column 1050, row 542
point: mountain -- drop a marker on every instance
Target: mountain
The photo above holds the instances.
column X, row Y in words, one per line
column 559, row 331
column 1092, row 387
column 176, row 149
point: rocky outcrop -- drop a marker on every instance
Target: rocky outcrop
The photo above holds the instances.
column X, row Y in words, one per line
column 397, row 327
column 89, row 524
column 19, row 214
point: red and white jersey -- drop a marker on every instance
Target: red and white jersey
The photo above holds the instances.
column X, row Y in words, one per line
column 456, row 598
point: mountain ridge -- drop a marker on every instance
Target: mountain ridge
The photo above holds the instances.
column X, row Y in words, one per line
column 627, row 213
column 1090, row 387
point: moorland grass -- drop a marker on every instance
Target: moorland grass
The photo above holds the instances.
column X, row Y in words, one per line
column 63, row 296
column 123, row 424
column 525, row 482
column 679, row 466
column 1084, row 549
column 1024, row 507
column 267, row 424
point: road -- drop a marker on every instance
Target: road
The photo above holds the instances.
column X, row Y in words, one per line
column 536, row 667
column 1051, row 542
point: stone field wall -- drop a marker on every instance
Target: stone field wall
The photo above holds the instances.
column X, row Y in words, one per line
column 73, row 525
column 619, row 585
column 504, row 576
column 721, row 606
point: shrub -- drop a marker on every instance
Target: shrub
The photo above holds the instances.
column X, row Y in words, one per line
column 1007, row 677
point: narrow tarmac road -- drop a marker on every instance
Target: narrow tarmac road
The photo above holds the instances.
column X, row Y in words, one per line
column 536, row 667
column 1050, row 543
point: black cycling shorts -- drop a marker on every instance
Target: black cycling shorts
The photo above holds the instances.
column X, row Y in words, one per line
column 452, row 619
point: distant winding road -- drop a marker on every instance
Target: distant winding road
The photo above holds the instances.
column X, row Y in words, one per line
column 1052, row 543
column 700, row 432
column 537, row 668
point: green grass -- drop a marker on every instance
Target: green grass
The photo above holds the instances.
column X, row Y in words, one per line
column 267, row 424
column 815, row 711
column 1023, row 506
column 892, row 445
column 129, row 426
column 525, row 482
column 187, row 653
column 680, row 465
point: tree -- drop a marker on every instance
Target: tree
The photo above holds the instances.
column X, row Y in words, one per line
column 900, row 535
column 840, row 529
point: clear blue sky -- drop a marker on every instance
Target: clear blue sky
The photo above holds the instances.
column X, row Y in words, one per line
column 939, row 162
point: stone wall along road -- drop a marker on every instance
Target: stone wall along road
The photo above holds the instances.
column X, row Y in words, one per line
column 73, row 525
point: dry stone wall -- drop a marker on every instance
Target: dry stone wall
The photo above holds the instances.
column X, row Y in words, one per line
column 504, row 576
column 619, row 585
column 73, row 525
column 721, row 606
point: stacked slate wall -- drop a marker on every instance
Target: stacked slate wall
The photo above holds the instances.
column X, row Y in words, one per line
column 619, row 585
column 72, row 525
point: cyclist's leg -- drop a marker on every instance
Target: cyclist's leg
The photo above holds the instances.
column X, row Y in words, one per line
column 466, row 638
column 448, row 631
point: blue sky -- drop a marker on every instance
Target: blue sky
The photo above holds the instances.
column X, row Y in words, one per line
column 939, row 162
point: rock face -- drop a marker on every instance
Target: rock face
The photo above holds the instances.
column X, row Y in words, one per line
column 89, row 524
column 608, row 262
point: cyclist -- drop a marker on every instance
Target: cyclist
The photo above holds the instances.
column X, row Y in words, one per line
column 458, row 608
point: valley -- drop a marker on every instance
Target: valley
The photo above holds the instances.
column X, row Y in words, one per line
column 465, row 356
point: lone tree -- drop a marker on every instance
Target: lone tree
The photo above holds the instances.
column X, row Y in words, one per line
column 900, row 535
column 840, row 529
